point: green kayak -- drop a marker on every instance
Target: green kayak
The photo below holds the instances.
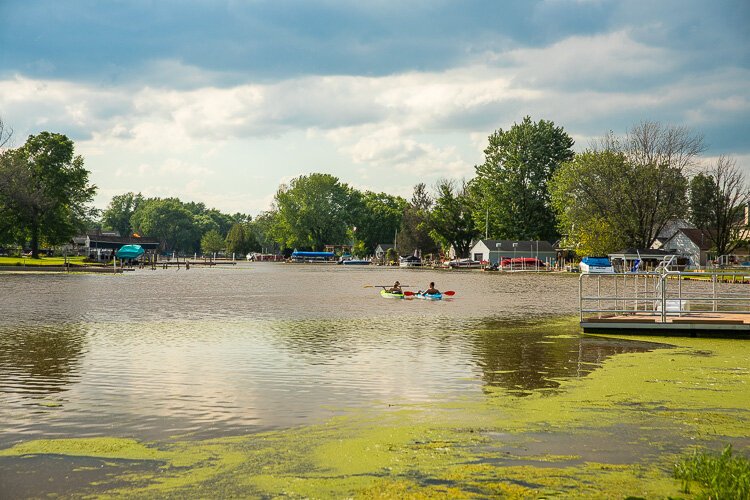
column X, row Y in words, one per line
column 389, row 295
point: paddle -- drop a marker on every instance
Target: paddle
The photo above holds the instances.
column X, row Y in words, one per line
column 449, row 293
column 384, row 286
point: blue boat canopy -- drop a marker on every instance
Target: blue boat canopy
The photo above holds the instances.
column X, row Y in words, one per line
column 130, row 252
column 313, row 254
column 597, row 261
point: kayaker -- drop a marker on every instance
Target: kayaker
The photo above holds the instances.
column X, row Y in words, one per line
column 432, row 290
column 396, row 288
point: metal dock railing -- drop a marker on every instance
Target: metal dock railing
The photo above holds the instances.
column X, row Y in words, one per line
column 665, row 300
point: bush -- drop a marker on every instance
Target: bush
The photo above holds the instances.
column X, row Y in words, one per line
column 720, row 476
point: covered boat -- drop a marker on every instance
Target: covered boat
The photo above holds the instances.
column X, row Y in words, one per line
column 324, row 257
column 596, row 265
column 130, row 252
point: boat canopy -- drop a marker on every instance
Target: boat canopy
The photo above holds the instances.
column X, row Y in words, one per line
column 130, row 252
column 596, row 261
column 321, row 255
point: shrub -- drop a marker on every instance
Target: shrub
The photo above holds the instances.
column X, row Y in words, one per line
column 720, row 476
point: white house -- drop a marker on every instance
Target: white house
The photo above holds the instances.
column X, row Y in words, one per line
column 381, row 250
column 493, row 251
column 692, row 243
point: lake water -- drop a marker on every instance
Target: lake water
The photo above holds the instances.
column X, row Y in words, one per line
column 232, row 350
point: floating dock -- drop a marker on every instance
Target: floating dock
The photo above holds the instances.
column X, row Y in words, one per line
column 666, row 303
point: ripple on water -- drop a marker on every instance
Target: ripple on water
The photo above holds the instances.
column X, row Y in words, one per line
column 219, row 351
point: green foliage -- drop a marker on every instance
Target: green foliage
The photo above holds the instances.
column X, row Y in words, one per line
column 511, row 184
column 605, row 201
column 119, row 211
column 415, row 224
column 263, row 231
column 169, row 221
column 212, row 242
column 313, row 210
column 719, row 476
column 451, row 218
column 391, row 256
column 717, row 204
column 44, row 190
column 240, row 239
column 377, row 217
column 702, row 199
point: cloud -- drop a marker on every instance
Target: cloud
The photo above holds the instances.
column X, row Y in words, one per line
column 188, row 126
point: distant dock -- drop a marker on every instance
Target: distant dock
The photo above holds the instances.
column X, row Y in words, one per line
column 667, row 303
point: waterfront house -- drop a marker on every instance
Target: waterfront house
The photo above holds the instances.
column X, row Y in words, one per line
column 381, row 250
column 494, row 251
column 102, row 245
column 692, row 243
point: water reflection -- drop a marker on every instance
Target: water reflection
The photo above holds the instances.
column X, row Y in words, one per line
column 40, row 359
column 524, row 357
column 215, row 352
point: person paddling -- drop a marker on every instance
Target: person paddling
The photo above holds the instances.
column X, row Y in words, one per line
column 396, row 288
column 431, row 290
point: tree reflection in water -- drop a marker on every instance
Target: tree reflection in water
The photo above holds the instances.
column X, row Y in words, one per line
column 40, row 359
column 522, row 357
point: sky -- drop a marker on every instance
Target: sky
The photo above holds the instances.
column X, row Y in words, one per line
column 222, row 101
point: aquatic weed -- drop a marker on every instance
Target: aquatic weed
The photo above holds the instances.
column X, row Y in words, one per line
column 720, row 476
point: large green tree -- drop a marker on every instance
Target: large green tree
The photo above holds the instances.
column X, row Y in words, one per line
column 212, row 242
column 415, row 224
column 605, row 201
column 169, row 221
column 119, row 211
column 263, row 231
column 377, row 217
column 240, row 239
column 313, row 210
column 44, row 191
column 510, row 187
column 451, row 218
column 718, row 198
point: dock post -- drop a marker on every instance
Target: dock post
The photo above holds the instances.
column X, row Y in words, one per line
column 580, row 294
column 664, row 298
column 713, row 284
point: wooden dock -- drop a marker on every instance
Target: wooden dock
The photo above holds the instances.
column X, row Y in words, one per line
column 698, row 325
column 666, row 303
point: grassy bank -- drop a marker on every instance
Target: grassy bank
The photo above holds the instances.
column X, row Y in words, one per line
column 42, row 261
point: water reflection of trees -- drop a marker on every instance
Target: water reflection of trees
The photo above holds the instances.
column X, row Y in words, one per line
column 522, row 357
column 38, row 359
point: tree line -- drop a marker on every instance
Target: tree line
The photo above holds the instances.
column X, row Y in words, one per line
column 619, row 192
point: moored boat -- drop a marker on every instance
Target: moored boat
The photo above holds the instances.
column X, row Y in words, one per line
column 410, row 261
column 464, row 264
column 596, row 265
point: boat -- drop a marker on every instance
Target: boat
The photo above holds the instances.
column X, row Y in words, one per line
column 313, row 257
column 522, row 264
column 429, row 296
column 410, row 261
column 388, row 295
column 465, row 264
column 348, row 260
column 596, row 265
